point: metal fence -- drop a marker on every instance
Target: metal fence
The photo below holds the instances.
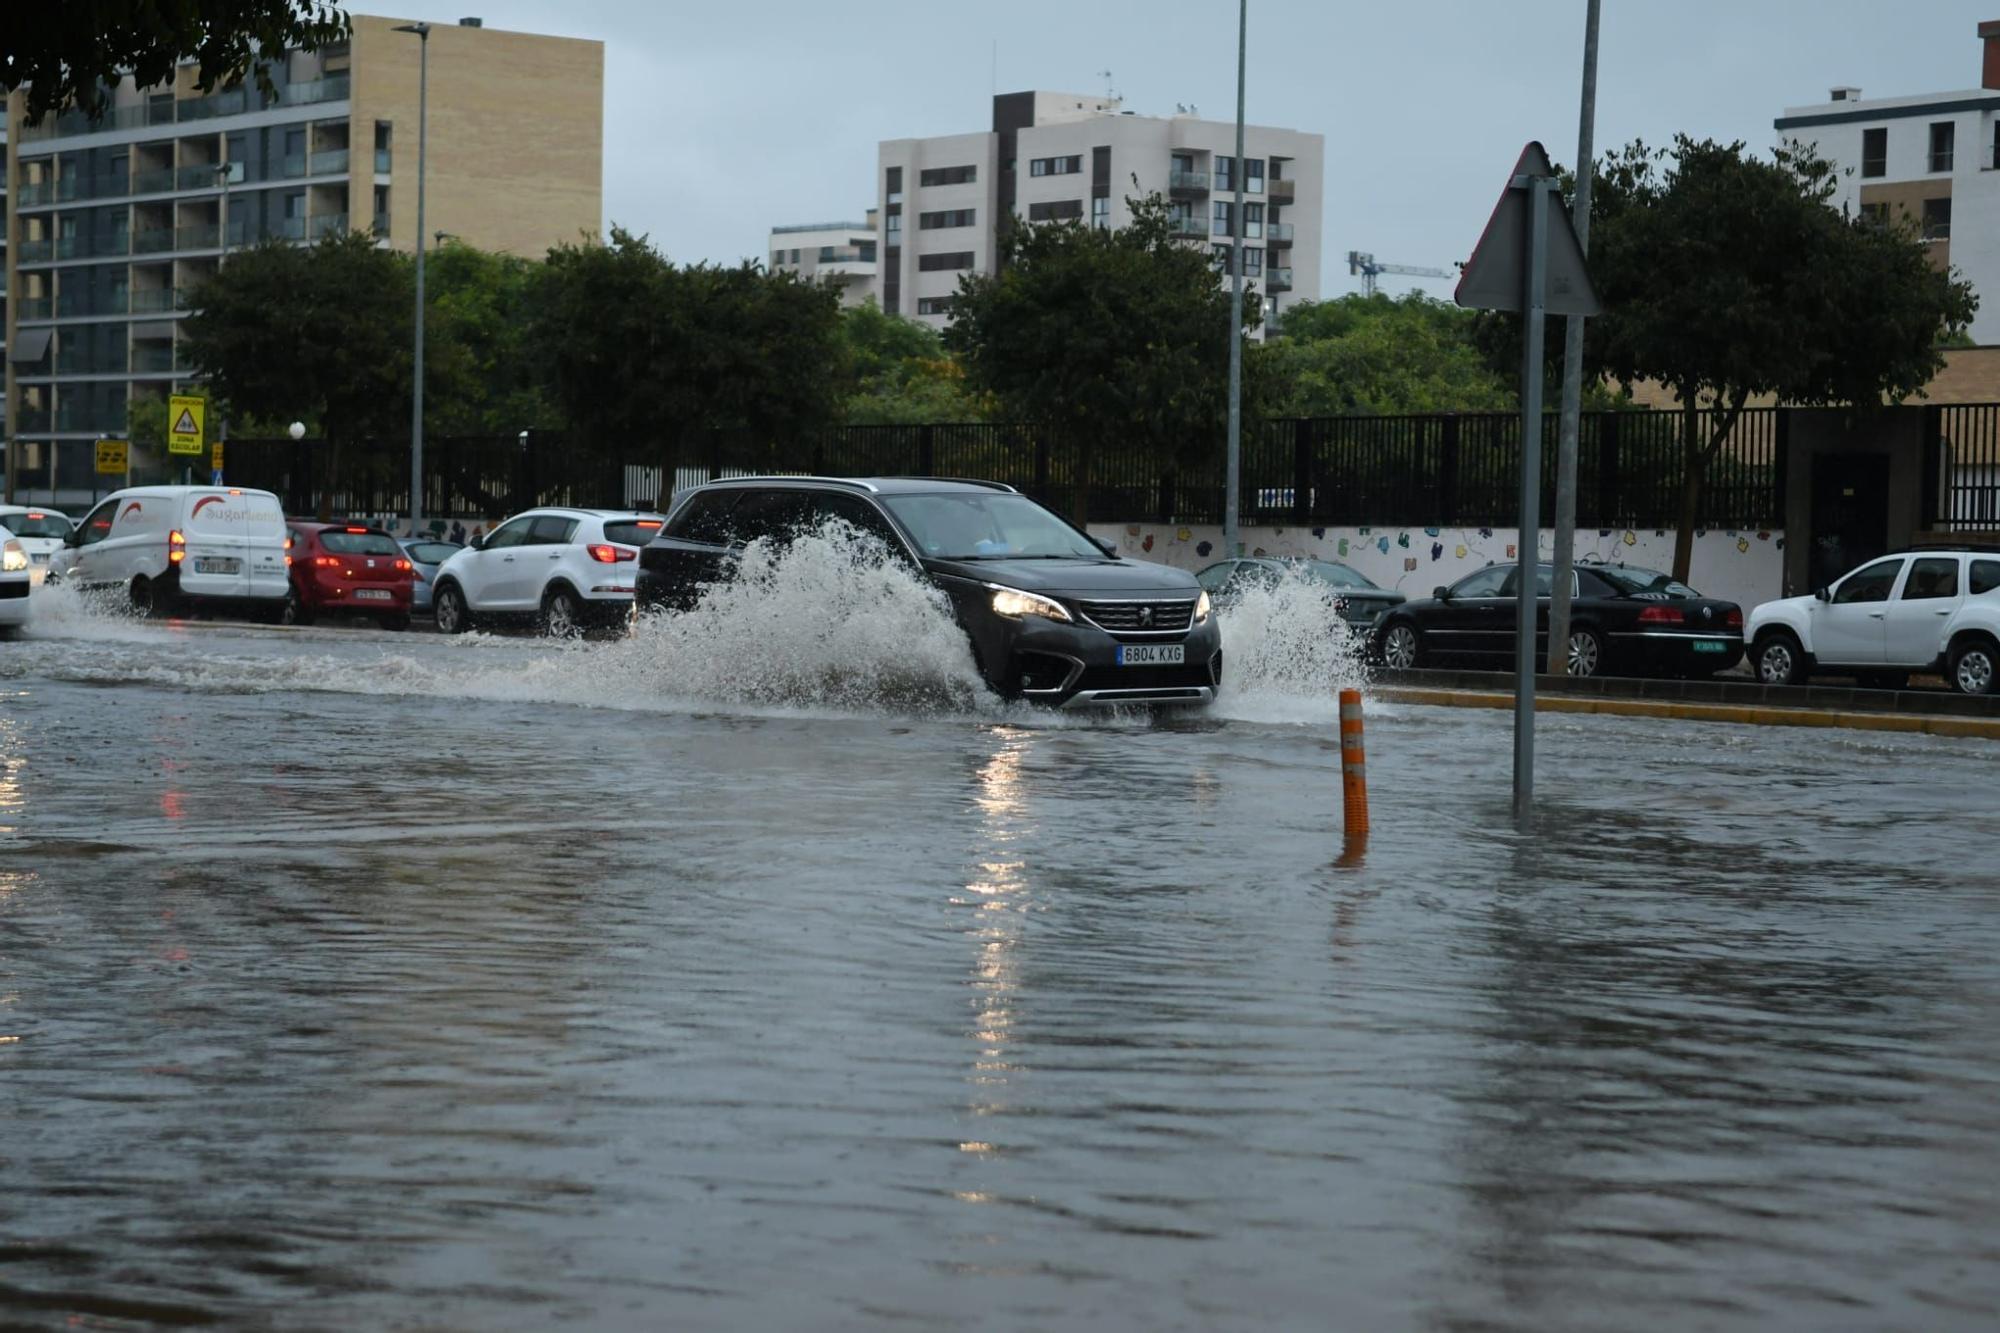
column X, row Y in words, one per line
column 1962, row 468
column 1458, row 470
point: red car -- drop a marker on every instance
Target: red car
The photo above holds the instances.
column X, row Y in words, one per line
column 347, row 567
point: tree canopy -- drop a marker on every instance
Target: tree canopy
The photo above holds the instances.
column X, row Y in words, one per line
column 1099, row 335
column 898, row 372
column 1378, row 354
column 1728, row 276
column 71, row 52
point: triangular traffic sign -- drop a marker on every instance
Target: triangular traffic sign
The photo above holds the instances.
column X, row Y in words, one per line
column 184, row 424
column 1496, row 275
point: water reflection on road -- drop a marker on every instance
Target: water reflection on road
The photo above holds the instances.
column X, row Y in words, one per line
column 325, row 1004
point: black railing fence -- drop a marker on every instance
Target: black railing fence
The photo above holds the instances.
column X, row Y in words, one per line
column 1962, row 468
column 1456, row 470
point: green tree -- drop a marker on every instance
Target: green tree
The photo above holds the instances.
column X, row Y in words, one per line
column 1099, row 335
column 70, row 52
column 1727, row 276
column 319, row 332
column 899, row 373
column 1378, row 355
column 480, row 377
column 647, row 358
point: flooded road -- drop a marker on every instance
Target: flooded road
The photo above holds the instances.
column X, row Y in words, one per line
column 377, row 981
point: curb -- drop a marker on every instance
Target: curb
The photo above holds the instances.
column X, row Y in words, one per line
column 1745, row 714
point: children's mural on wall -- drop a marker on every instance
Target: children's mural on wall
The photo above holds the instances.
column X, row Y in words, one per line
column 1743, row 566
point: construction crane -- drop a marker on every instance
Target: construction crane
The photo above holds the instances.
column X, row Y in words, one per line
column 1370, row 269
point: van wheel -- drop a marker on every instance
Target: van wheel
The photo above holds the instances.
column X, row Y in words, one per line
column 453, row 616
column 147, row 600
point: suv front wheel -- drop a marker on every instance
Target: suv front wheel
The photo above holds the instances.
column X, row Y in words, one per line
column 1780, row 660
column 453, row 616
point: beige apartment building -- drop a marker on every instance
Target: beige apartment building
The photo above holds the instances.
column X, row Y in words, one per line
column 112, row 223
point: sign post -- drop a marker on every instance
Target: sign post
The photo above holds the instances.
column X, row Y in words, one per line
column 1529, row 262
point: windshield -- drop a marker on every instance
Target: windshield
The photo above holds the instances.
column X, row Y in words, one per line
column 1632, row 581
column 35, row 523
column 631, row 531
column 1340, row 576
column 433, row 553
column 359, row 543
column 987, row 526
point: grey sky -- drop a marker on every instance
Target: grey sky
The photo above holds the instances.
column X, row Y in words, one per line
column 724, row 119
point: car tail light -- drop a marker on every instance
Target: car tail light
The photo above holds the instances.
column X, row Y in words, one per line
column 611, row 555
column 176, row 547
column 362, row 530
column 1733, row 618
column 326, row 562
column 403, row 565
column 1662, row 615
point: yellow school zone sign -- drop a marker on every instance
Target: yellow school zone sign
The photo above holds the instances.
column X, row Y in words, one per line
column 184, row 424
column 112, row 457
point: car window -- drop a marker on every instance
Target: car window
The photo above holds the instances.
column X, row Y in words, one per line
column 552, row 530
column 1485, row 583
column 857, row 513
column 359, row 543
column 1985, row 577
column 433, row 553
column 1253, row 574
column 1340, row 576
column 706, row 518
column 772, row 514
column 631, row 531
column 36, row 523
column 514, row 532
column 97, row 523
column 988, row 525
column 1870, row 583
column 1931, row 578
column 1636, row 582
column 1545, row 582
column 1215, row 575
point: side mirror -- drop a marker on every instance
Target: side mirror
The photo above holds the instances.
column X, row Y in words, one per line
column 1824, row 594
column 1442, row 593
column 478, row 542
column 1108, row 547
column 74, row 538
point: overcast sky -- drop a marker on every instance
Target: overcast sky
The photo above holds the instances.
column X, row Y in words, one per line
column 721, row 120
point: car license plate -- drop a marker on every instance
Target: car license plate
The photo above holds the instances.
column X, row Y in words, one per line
column 1710, row 646
column 373, row 594
column 1152, row 654
column 216, row 564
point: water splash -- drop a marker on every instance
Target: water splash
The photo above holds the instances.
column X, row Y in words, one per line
column 1287, row 652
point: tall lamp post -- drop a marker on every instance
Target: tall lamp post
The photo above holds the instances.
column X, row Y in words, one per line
column 1233, row 476
column 423, row 33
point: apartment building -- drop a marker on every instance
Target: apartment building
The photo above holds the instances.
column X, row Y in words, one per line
column 115, row 221
column 1930, row 159
column 842, row 253
column 1051, row 156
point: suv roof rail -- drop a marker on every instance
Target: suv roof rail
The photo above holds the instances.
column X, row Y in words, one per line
column 855, row 482
column 1947, row 548
column 962, row 481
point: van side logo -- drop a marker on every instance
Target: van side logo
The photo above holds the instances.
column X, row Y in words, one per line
column 203, row 503
column 131, row 509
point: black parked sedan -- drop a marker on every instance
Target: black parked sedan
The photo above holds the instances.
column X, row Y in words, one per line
column 1623, row 620
column 1359, row 601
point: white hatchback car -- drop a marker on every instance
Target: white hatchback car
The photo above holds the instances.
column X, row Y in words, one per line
column 42, row 533
column 16, row 580
column 1915, row 611
column 564, row 569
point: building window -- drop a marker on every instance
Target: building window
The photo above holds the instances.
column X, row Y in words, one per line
column 892, row 280
column 895, row 226
column 1944, row 136
column 931, row 176
column 1055, row 166
column 1225, row 216
column 777, row 258
column 1875, row 152
column 1937, row 219
column 1225, row 172
column 1253, row 260
column 1055, row 211
column 1100, row 213
column 948, row 262
column 1220, row 254
column 1253, row 175
column 950, row 217
column 1100, row 166
column 893, row 187
column 1253, row 221
column 1875, row 215
column 867, row 251
column 933, row 305
column 826, row 254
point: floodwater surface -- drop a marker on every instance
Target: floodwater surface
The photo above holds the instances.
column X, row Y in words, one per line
column 361, row 980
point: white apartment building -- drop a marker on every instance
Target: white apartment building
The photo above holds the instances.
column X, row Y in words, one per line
column 1929, row 158
column 1052, row 156
column 842, row 253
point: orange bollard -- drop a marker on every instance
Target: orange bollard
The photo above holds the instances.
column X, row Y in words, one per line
column 1353, row 765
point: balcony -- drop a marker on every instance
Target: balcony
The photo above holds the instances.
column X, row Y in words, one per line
column 34, row 307
column 153, row 358
column 332, row 88
column 78, row 305
column 1278, row 279
column 1280, row 191
column 35, row 252
column 382, row 157
column 154, row 180
column 327, row 224
column 1187, row 227
column 290, row 229
column 31, row 420
column 332, row 162
column 35, row 194
column 153, row 241
column 155, row 301
column 1187, row 183
column 1278, row 235
column 207, row 175
column 82, row 362
column 230, row 102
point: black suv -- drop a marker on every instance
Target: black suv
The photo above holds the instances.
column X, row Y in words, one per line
column 1053, row 615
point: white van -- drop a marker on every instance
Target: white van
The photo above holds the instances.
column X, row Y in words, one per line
column 168, row 546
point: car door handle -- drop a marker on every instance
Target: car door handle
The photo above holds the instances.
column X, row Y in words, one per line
column 1877, row 615
column 1944, row 611
column 508, row 558
column 555, row 555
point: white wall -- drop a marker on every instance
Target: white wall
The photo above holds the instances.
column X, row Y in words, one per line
column 1746, row 567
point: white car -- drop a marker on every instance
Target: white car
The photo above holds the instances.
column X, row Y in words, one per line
column 564, row 569
column 167, row 546
column 17, row 580
column 41, row 532
column 1915, row 611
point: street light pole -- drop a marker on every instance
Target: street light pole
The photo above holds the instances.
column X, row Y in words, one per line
column 1572, row 400
column 423, row 34
column 1233, row 483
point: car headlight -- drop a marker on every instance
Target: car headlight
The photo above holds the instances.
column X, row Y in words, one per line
column 1201, row 608
column 14, row 557
column 1013, row 603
